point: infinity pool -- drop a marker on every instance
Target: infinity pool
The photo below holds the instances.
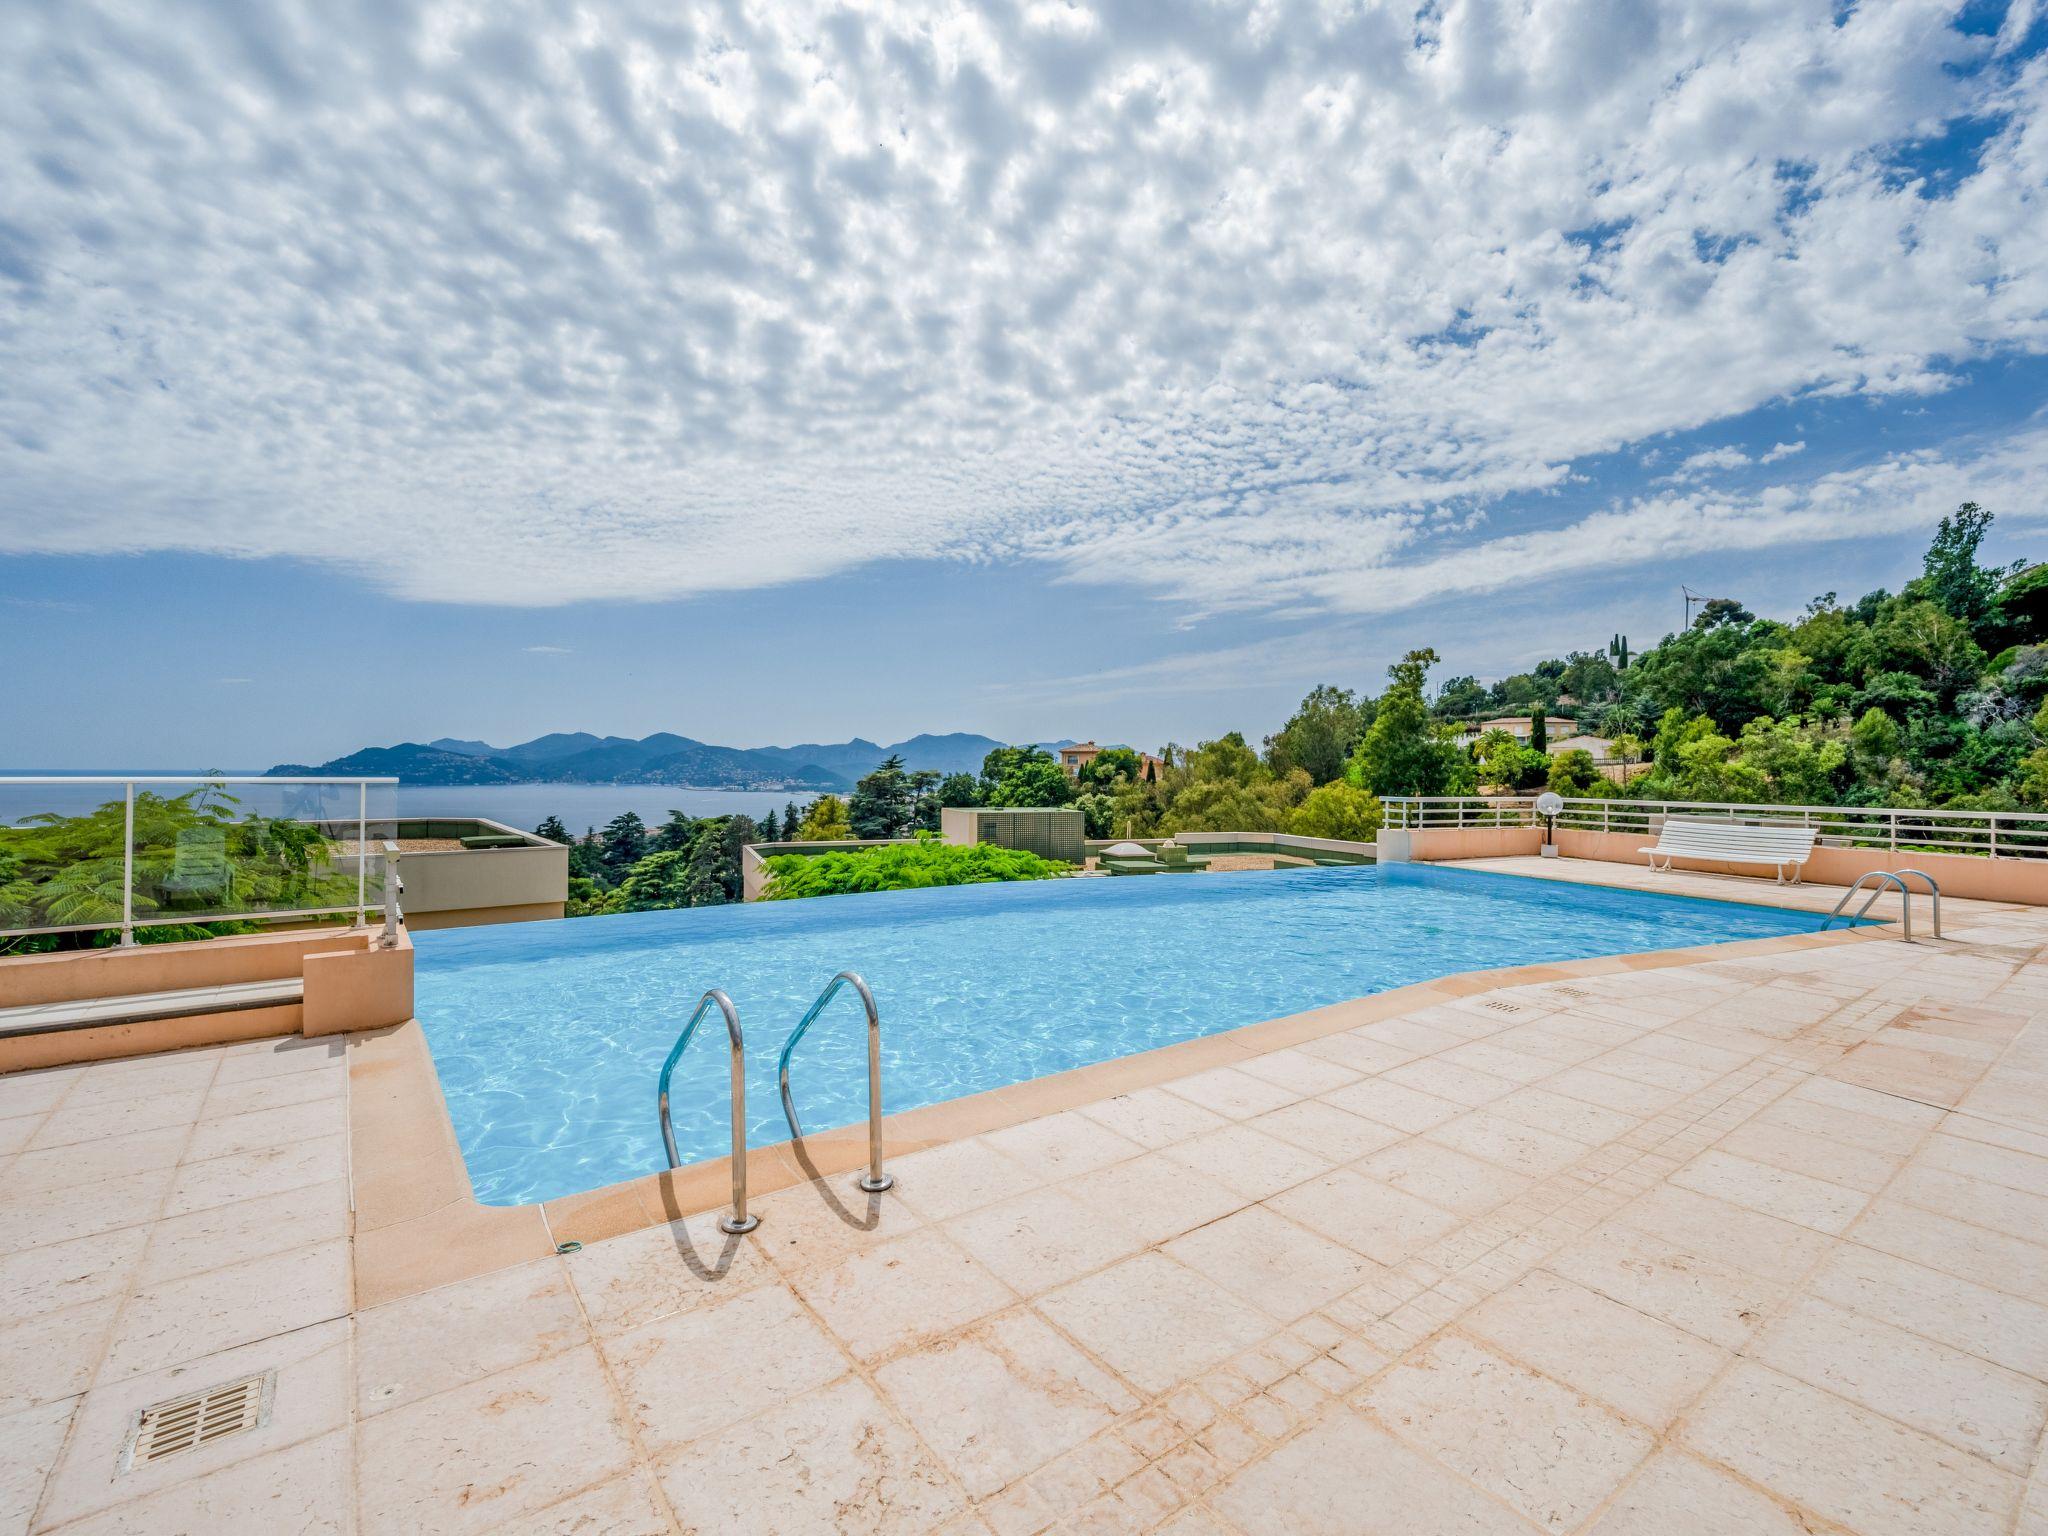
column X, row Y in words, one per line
column 549, row 1036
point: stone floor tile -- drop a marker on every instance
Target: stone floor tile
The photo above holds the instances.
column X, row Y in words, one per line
column 420, row 1345
column 503, row 1447
column 1991, row 1325
column 1972, row 1404
column 155, row 1112
column 1261, row 1257
column 634, row 1278
column 1305, row 1074
column 1380, row 1222
column 1637, row 1066
column 1356, row 1052
column 105, row 1205
column 125, row 1082
column 1794, row 1197
column 179, row 1320
column 1844, row 1462
column 1591, row 1086
column 251, row 1095
column 1194, row 1521
column 311, row 1399
column 246, row 1175
column 30, row 1439
column 1593, row 1124
column 1535, row 1445
column 1155, row 1322
column 959, row 1177
column 1446, row 1178
column 59, row 1276
column 306, row 1489
column 1669, row 1282
column 1677, row 1493
column 36, row 1093
column 1152, row 1117
column 1494, row 1138
column 835, row 1460
column 1955, row 1247
column 1063, row 1145
column 1626, row 1359
column 1156, row 1197
column 1347, row 1477
column 1783, row 1146
column 260, row 1128
column 625, row 1506
column 1032, row 1242
column 1461, row 1085
column 1251, row 1162
column 1395, row 1106
column 1335, row 1135
column 692, row 1373
column 222, row 1235
column 1973, row 1159
column 1001, row 1400
column 1232, row 1092
column 294, row 1053
column 908, row 1289
column 1866, row 1101
column 1779, row 1251
column 1496, row 1060
column 54, row 1354
column 54, row 1168
column 1977, row 1201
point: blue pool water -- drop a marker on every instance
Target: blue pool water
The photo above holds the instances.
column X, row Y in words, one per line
column 549, row 1036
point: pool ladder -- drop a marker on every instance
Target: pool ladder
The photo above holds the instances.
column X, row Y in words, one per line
column 1875, row 880
column 739, row 1220
column 874, row 1181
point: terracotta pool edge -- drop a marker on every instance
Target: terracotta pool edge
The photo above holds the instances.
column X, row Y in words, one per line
column 419, row 1225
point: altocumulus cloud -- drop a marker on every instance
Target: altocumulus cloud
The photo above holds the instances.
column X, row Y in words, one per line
column 1237, row 303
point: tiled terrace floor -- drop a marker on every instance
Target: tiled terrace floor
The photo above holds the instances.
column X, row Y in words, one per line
column 1753, row 1245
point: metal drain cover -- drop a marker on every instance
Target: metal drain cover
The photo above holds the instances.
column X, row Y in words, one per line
column 180, row 1424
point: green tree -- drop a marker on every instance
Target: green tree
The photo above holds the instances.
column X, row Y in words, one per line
column 959, row 789
column 624, row 843
column 1574, row 773
column 1339, row 811
column 771, row 829
column 1539, row 731
column 1461, row 698
column 1319, row 736
column 1024, row 777
column 679, row 831
column 553, row 830
column 1950, row 575
column 825, row 821
column 884, row 803
column 1405, row 752
column 1109, row 767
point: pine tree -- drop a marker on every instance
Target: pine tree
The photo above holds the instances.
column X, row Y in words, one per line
column 771, row 830
column 553, row 830
column 1539, row 730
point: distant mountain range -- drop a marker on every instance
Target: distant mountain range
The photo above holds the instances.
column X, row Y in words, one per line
column 577, row 757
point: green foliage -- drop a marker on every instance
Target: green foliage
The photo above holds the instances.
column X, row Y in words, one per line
column 1319, row 736
column 1109, row 767
column 194, row 852
column 903, row 866
column 1539, row 731
column 959, row 789
column 1405, row 751
column 1573, row 773
column 1338, row 810
column 623, row 844
column 884, row 803
column 825, row 822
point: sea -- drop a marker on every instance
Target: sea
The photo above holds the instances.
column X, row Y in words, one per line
column 524, row 806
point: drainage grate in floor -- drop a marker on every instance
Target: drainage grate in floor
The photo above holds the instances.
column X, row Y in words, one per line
column 197, row 1419
column 1501, row 1005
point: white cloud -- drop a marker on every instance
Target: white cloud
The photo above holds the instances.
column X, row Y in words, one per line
column 549, row 650
column 1709, row 460
column 525, row 304
column 1779, row 451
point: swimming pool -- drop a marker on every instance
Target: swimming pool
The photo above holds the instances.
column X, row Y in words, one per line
column 548, row 1036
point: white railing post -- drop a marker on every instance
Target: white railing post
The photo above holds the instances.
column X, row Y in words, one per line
column 128, row 867
column 1893, row 819
column 1994, row 834
column 362, row 852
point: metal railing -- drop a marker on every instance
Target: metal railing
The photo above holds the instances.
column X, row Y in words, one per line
column 1875, row 881
column 874, row 1181
column 1983, row 834
column 77, row 859
column 739, row 1221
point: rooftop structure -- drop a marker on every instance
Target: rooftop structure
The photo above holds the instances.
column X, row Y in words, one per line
column 1082, row 753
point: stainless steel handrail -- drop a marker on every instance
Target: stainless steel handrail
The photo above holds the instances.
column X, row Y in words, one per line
column 1933, row 894
column 874, row 1181
column 1877, row 890
column 739, row 1220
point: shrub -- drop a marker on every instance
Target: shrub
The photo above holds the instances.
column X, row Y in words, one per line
column 903, row 867
column 1337, row 810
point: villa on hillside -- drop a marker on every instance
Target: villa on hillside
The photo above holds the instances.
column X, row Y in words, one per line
column 1082, row 753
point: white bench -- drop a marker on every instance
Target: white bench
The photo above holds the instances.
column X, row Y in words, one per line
column 1728, row 842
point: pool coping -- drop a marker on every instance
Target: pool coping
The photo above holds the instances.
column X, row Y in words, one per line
column 418, row 1225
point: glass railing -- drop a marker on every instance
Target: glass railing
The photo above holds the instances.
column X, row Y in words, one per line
column 98, row 857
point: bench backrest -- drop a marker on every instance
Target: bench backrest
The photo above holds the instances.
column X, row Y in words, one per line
column 1732, row 840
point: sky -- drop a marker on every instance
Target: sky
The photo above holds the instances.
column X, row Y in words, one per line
column 785, row 372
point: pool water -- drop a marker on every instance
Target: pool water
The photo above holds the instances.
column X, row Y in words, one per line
column 549, row 1036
